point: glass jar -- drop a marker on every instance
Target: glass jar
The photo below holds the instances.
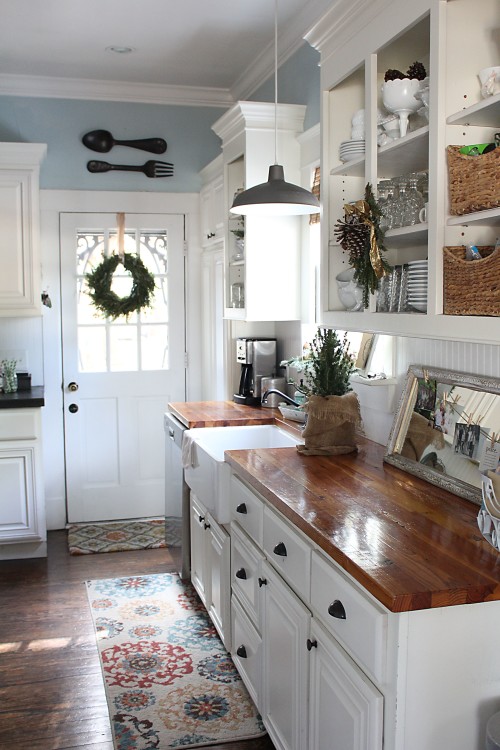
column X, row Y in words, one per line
column 237, row 295
column 414, row 202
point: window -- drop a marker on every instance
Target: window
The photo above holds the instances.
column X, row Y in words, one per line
column 140, row 342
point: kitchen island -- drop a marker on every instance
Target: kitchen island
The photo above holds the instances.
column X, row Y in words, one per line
column 365, row 603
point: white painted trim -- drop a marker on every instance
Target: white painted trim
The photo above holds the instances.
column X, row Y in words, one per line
column 310, row 146
column 120, row 91
column 22, row 155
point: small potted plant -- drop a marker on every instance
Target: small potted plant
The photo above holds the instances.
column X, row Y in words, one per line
column 239, row 234
column 332, row 407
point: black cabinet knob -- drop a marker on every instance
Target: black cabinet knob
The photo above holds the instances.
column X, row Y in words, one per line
column 241, row 652
column 311, row 644
column 280, row 549
column 206, row 525
column 336, row 609
column 241, row 573
column 262, row 582
column 201, row 519
column 241, row 508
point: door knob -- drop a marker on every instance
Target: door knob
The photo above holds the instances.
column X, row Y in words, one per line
column 72, row 386
column 73, row 408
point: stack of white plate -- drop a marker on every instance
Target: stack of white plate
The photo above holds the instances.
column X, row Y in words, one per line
column 417, row 285
column 351, row 149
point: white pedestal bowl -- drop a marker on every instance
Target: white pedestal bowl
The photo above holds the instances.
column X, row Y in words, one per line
column 398, row 96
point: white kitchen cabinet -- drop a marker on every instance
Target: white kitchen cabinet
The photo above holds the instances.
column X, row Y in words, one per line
column 22, row 509
column 393, row 35
column 19, row 234
column 212, row 203
column 285, row 663
column 366, row 678
column 213, row 326
column 309, row 691
column 347, row 710
column 269, row 271
column 210, row 574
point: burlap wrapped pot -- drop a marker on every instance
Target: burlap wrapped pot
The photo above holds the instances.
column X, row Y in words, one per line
column 331, row 426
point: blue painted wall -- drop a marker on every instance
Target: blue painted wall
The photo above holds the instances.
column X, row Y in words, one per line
column 60, row 123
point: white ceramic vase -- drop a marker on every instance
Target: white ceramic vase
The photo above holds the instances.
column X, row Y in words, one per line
column 398, row 96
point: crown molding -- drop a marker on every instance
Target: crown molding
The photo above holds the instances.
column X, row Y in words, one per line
column 91, row 89
column 341, row 22
column 22, row 155
column 259, row 116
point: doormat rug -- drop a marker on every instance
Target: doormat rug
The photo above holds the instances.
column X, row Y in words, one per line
column 121, row 536
column 169, row 680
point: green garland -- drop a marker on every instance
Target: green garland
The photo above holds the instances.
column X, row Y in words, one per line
column 106, row 301
column 359, row 234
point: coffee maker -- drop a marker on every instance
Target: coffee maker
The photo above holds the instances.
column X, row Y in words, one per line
column 257, row 358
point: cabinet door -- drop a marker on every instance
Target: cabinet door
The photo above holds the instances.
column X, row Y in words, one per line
column 19, row 515
column 218, row 556
column 346, row 709
column 285, row 663
column 199, row 573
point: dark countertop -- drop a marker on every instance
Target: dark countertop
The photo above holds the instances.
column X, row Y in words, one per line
column 23, row 399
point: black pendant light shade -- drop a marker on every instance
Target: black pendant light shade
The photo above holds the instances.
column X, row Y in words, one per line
column 275, row 197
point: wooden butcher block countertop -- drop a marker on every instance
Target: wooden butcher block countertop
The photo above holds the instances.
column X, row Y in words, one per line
column 410, row 544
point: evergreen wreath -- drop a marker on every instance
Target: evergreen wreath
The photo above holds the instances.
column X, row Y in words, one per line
column 108, row 302
column 362, row 238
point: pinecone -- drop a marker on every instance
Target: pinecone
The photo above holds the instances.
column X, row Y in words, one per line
column 352, row 237
column 417, row 70
column 392, row 74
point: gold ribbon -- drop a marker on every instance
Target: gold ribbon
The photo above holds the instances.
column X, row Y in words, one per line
column 362, row 210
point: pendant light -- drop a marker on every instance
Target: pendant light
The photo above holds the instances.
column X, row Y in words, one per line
column 275, row 197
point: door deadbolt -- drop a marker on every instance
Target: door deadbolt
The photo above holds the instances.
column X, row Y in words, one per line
column 72, row 386
column 73, row 408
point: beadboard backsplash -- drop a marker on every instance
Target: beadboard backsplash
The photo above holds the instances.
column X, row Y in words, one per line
column 479, row 359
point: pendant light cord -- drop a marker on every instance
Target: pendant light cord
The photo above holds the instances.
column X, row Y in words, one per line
column 275, row 81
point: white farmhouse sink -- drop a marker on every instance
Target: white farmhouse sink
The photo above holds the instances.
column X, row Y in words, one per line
column 209, row 475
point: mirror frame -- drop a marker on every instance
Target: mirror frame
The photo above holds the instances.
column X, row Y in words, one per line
column 402, row 419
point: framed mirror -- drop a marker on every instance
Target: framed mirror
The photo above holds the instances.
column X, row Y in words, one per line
column 447, row 429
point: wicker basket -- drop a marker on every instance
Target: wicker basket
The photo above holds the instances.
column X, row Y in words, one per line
column 471, row 287
column 474, row 181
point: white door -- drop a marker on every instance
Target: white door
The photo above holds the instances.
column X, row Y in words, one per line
column 119, row 375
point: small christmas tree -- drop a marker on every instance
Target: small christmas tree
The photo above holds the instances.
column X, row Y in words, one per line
column 329, row 365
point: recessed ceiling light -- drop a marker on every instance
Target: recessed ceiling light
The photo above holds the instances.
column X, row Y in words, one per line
column 120, row 50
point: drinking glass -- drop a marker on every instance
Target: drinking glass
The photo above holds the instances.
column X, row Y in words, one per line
column 413, row 204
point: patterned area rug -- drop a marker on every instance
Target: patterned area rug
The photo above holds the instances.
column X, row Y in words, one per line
column 122, row 536
column 169, row 680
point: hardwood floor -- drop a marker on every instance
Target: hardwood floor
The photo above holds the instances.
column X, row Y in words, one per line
column 51, row 690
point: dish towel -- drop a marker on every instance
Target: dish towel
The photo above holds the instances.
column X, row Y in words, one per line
column 188, row 451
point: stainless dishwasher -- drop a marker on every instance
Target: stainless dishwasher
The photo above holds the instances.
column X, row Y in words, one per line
column 177, row 518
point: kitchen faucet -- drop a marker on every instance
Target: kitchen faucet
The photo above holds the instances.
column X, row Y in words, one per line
column 280, row 393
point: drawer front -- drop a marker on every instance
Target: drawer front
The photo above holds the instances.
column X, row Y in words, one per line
column 247, row 510
column 245, row 571
column 19, row 424
column 247, row 652
column 288, row 552
column 355, row 620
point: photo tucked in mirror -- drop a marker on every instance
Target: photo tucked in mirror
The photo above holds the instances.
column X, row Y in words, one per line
column 447, row 429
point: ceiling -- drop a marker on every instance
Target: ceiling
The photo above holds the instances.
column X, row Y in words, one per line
column 221, row 49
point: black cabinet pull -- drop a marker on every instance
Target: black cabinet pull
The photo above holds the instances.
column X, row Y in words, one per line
column 311, row 644
column 241, row 652
column 280, row 549
column 241, row 573
column 206, row 525
column 336, row 609
column 201, row 519
column 262, row 582
column 241, row 508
